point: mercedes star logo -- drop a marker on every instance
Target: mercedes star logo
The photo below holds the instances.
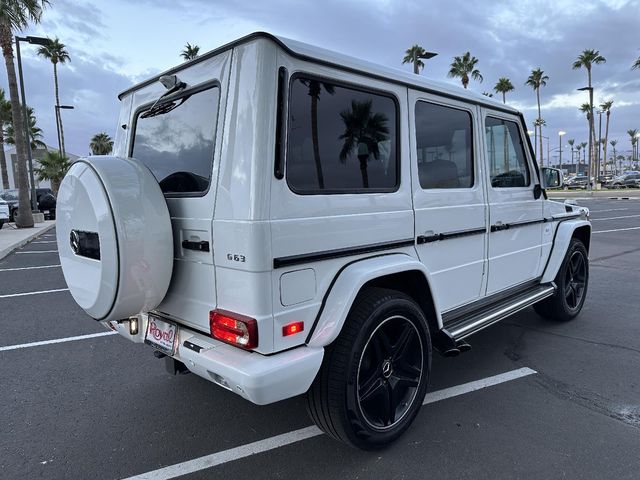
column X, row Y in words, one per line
column 74, row 241
column 386, row 369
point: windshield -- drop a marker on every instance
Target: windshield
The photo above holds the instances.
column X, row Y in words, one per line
column 175, row 140
column 9, row 195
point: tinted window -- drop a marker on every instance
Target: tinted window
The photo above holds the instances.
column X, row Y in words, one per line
column 444, row 146
column 175, row 140
column 340, row 139
column 507, row 161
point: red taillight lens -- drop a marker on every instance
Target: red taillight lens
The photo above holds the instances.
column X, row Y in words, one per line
column 292, row 329
column 234, row 329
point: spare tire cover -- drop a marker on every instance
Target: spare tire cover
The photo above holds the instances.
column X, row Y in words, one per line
column 114, row 237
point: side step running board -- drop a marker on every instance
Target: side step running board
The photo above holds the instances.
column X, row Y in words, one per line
column 474, row 323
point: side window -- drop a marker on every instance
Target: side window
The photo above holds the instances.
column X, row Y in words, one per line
column 444, row 145
column 507, row 161
column 340, row 139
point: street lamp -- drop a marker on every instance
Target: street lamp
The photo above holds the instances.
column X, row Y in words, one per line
column 425, row 56
column 58, row 119
column 590, row 90
column 560, row 134
column 33, row 41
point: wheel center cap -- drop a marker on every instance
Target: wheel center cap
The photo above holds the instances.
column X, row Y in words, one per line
column 386, row 369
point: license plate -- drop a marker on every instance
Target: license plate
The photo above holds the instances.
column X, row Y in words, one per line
column 162, row 335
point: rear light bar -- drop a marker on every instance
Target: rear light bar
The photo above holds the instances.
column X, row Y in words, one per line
column 234, row 329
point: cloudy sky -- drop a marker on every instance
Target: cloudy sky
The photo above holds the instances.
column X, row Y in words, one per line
column 116, row 43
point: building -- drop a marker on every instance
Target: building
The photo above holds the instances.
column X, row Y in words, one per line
column 12, row 165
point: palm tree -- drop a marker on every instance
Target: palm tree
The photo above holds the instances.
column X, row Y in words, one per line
column 190, row 51
column 571, row 143
column 412, row 55
column 613, row 144
column 363, row 133
column 538, row 79
column 463, row 67
column 636, row 64
column 584, row 151
column 503, row 86
column 606, row 107
column 5, row 119
column 315, row 88
column 101, row 144
column 633, row 134
column 578, row 150
column 586, row 60
column 35, row 132
column 53, row 167
column 15, row 15
column 56, row 53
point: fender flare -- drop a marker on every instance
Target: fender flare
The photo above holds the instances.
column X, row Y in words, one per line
column 561, row 240
column 347, row 286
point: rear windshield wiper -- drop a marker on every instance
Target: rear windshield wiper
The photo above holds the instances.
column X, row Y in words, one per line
column 171, row 82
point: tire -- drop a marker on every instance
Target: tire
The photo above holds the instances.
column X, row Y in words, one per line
column 572, row 282
column 384, row 350
column 1, row 224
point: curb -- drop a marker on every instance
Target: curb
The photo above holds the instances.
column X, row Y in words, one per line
column 23, row 242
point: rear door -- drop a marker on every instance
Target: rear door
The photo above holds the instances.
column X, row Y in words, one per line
column 179, row 139
column 515, row 214
column 449, row 197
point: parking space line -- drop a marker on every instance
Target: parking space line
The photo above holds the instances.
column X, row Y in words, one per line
column 614, row 218
column 616, row 230
column 56, row 340
column 45, row 241
column 27, row 268
column 24, row 294
column 608, row 210
column 208, row 461
column 37, row 251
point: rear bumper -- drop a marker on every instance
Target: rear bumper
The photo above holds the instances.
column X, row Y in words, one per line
column 261, row 379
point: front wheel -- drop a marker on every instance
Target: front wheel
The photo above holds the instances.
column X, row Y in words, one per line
column 374, row 377
column 571, row 281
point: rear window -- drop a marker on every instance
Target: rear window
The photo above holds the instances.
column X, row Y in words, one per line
column 175, row 140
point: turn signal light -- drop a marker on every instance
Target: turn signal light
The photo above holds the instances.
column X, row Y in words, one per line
column 234, row 329
column 292, row 328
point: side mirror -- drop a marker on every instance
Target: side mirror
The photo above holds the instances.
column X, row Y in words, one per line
column 552, row 178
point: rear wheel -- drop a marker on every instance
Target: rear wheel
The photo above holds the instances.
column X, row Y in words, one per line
column 374, row 377
column 571, row 281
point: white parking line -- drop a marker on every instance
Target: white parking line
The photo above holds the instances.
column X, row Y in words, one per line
column 11, row 295
column 57, row 340
column 46, row 241
column 616, row 230
column 278, row 441
column 27, row 268
column 609, row 210
column 37, row 251
column 614, row 218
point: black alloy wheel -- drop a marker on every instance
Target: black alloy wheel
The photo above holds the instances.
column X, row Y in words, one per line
column 575, row 280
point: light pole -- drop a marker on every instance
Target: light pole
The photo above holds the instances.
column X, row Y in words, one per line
column 58, row 119
column 591, row 133
column 560, row 134
column 33, row 41
column 425, row 56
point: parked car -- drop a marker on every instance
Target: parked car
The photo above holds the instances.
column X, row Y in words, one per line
column 4, row 212
column 631, row 181
column 45, row 198
column 11, row 197
column 577, row 182
column 288, row 245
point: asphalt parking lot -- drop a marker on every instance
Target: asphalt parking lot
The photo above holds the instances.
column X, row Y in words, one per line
column 548, row 400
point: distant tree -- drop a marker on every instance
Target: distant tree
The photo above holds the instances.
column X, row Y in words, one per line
column 53, row 167
column 487, row 94
column 412, row 55
column 101, row 144
column 35, row 132
column 633, row 137
column 571, row 143
column 56, row 52
column 636, row 64
column 606, row 107
column 503, row 86
column 5, row 119
column 190, row 51
column 538, row 79
column 613, row 144
column 463, row 66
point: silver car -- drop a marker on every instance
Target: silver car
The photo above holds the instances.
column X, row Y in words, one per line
column 4, row 212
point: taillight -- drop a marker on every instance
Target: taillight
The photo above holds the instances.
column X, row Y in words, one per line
column 234, row 329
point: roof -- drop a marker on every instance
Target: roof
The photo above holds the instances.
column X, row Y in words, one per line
column 344, row 62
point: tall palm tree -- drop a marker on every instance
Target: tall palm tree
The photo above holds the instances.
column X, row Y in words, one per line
column 633, row 134
column 53, row 167
column 571, row 143
column 5, row 119
column 412, row 55
column 56, row 53
column 35, row 132
column 613, row 144
column 15, row 15
column 538, row 79
column 578, row 150
column 101, row 144
column 584, row 152
column 464, row 66
column 606, row 107
column 363, row 132
column 587, row 59
column 503, row 86
column 190, row 51
column 636, row 64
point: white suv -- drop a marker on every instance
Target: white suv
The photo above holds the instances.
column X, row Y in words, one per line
column 280, row 219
